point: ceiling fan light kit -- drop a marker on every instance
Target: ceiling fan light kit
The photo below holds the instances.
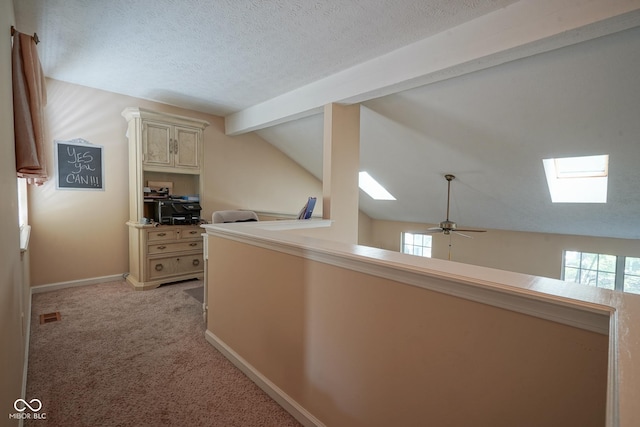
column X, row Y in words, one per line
column 447, row 226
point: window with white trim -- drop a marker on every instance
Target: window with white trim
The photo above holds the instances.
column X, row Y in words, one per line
column 619, row 273
column 416, row 244
column 632, row 275
column 577, row 179
column 23, row 214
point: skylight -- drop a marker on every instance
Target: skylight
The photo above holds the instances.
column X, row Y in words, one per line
column 373, row 188
column 577, row 179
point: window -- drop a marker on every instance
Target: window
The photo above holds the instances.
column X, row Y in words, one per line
column 632, row 275
column 577, row 179
column 603, row 271
column 23, row 214
column 372, row 187
column 416, row 244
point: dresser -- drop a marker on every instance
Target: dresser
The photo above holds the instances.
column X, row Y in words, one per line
column 164, row 254
column 170, row 149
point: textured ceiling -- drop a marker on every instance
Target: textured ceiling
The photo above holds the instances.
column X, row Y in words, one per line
column 225, row 55
column 491, row 125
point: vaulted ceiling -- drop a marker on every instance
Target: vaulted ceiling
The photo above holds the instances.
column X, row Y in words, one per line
column 482, row 89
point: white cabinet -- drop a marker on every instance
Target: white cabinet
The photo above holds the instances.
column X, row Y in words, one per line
column 165, row 142
column 163, row 147
column 170, row 146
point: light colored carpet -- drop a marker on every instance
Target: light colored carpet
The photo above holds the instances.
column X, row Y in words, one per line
column 120, row 357
column 197, row 293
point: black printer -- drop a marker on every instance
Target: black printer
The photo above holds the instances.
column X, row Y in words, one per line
column 177, row 212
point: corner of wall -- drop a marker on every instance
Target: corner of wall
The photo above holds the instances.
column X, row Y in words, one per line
column 12, row 291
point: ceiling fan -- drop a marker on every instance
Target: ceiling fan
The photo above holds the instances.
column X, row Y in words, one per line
column 447, row 226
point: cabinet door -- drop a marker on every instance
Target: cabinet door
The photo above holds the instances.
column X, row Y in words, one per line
column 187, row 147
column 156, row 144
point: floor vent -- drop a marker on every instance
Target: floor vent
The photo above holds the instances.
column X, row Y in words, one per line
column 49, row 317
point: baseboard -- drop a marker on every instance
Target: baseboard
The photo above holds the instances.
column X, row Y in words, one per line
column 25, row 366
column 283, row 399
column 73, row 283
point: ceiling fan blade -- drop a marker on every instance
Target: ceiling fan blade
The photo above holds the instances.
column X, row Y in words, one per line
column 468, row 230
column 423, row 231
column 462, row 234
column 433, row 230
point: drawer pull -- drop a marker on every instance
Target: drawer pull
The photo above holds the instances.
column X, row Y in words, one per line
column 196, row 262
column 162, row 234
column 193, row 232
column 162, row 247
column 193, row 244
column 159, row 267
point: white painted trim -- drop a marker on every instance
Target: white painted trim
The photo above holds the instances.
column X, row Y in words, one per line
column 613, row 385
column 275, row 392
column 284, row 215
column 25, row 234
column 285, row 224
column 73, row 283
column 130, row 113
column 295, row 224
column 27, row 343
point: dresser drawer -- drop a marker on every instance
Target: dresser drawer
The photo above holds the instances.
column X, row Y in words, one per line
column 161, row 247
column 175, row 266
column 190, row 233
column 162, row 234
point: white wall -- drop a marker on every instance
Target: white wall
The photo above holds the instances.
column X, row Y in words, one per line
column 82, row 234
column 11, row 286
column 538, row 254
column 247, row 172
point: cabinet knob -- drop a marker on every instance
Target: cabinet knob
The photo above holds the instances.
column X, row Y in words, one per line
column 196, row 262
column 193, row 244
column 162, row 247
column 162, row 234
column 159, row 267
column 193, row 232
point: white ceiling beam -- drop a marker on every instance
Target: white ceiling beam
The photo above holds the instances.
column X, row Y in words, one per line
column 522, row 29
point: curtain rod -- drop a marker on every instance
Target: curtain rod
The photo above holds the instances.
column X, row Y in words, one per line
column 35, row 35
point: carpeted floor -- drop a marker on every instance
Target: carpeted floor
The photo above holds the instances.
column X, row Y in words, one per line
column 120, row 357
column 197, row 293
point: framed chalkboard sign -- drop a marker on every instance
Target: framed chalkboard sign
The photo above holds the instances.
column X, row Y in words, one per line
column 79, row 165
